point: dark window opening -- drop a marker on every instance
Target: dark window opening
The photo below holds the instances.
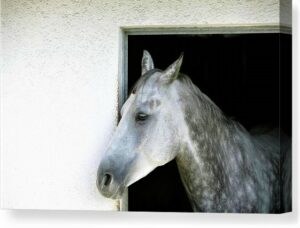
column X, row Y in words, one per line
column 247, row 75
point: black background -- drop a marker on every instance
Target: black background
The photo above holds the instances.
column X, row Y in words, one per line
column 248, row 76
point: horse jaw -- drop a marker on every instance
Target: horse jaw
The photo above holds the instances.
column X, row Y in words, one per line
column 141, row 169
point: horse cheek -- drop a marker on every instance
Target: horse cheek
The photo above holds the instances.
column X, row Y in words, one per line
column 162, row 147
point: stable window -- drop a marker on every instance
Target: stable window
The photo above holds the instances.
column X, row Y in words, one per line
column 247, row 74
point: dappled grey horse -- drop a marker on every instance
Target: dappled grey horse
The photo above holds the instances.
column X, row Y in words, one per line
column 223, row 167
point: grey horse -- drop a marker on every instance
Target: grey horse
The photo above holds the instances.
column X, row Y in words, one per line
column 223, row 167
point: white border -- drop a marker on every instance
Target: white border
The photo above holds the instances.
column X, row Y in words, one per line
column 66, row 219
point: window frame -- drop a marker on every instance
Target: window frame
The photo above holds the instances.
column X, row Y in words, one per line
column 126, row 31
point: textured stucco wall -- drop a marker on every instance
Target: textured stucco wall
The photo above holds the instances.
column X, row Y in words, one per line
column 59, row 87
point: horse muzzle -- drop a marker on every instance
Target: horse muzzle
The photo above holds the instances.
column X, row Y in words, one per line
column 112, row 174
column 108, row 186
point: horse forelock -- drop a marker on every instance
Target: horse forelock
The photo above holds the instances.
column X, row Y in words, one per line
column 143, row 79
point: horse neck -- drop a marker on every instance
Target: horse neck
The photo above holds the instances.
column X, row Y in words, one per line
column 213, row 151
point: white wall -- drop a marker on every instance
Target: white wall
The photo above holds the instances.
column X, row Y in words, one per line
column 59, row 87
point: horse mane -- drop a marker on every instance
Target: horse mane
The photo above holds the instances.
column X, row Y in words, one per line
column 213, row 117
column 201, row 99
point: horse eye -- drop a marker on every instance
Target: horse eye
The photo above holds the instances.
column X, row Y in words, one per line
column 141, row 117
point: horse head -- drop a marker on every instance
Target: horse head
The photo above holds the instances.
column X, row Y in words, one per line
column 148, row 134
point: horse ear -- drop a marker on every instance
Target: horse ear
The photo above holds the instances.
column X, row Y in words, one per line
column 147, row 62
column 171, row 73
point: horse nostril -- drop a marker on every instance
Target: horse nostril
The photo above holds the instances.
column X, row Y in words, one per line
column 107, row 179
